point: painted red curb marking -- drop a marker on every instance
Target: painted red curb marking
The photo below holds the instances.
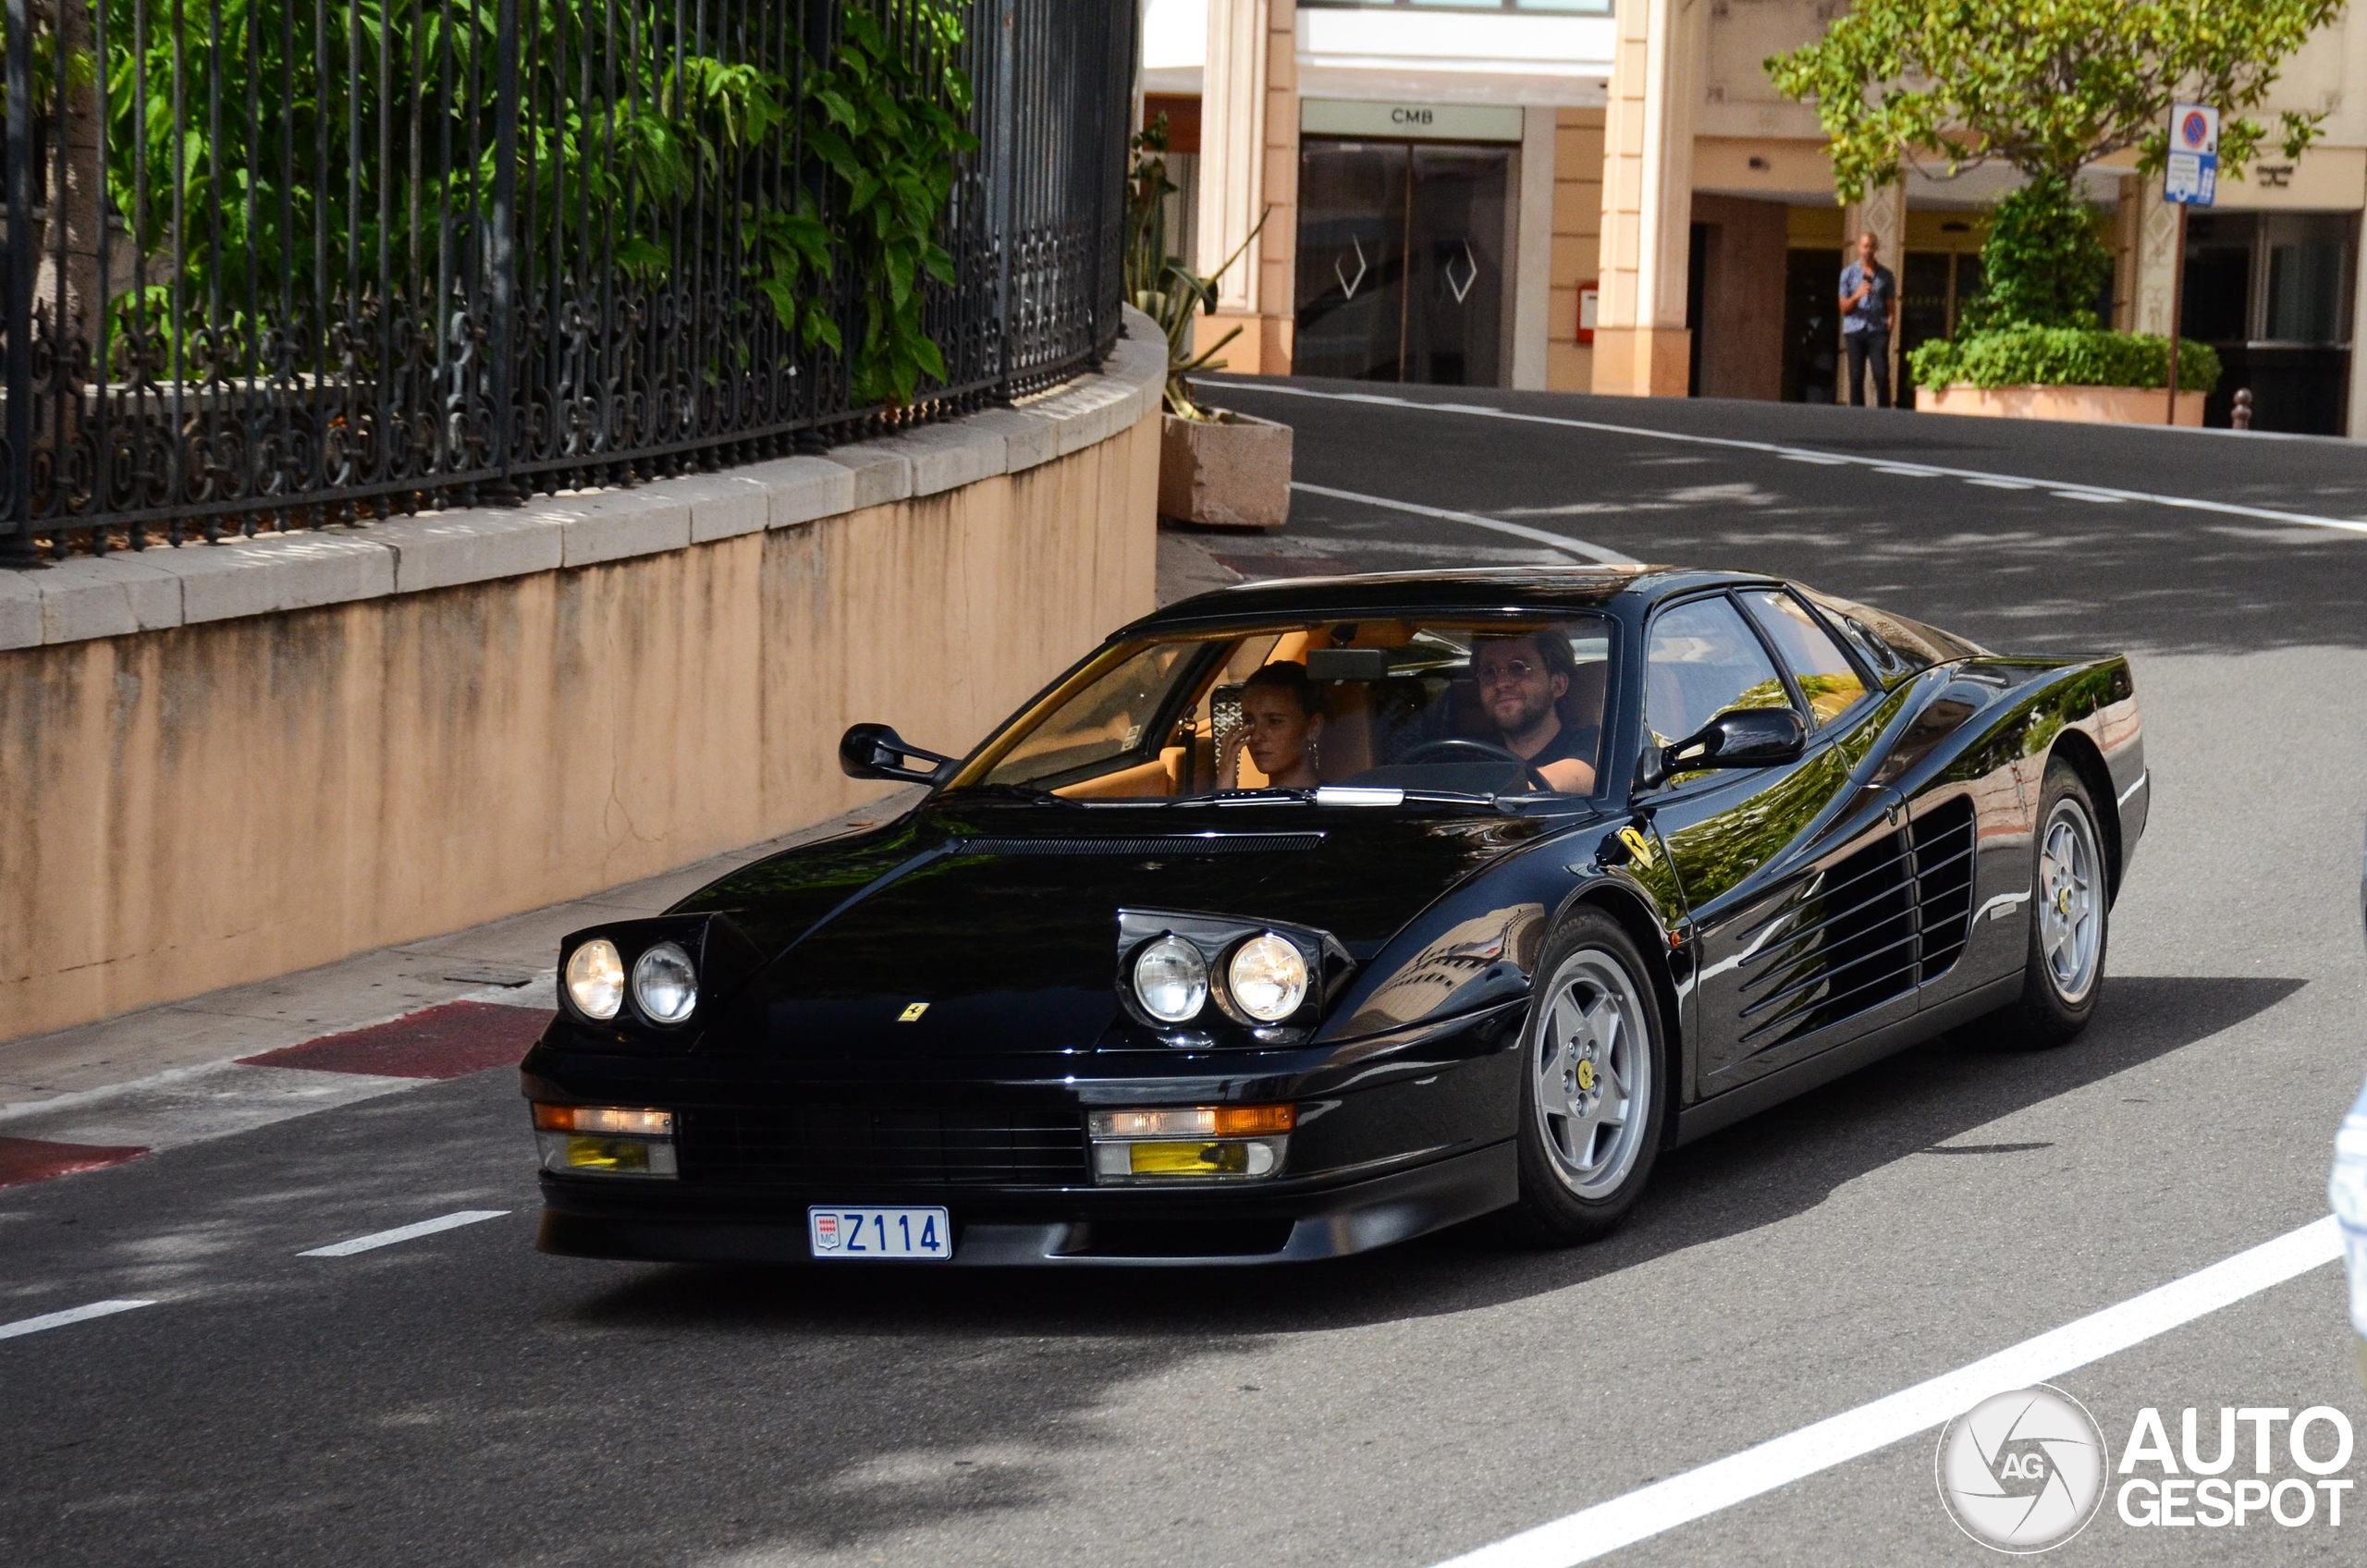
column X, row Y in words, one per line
column 35, row 1159
column 450, row 1041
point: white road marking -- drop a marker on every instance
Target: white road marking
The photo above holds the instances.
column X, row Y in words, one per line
column 1562, row 541
column 71, row 1315
column 1604, row 1528
column 2096, row 495
column 2003, row 483
column 192, row 1105
column 404, row 1234
column 1808, row 454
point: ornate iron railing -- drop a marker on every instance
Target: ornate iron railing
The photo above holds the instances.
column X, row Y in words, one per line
column 280, row 263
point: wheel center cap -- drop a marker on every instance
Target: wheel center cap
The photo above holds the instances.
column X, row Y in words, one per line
column 1586, row 1076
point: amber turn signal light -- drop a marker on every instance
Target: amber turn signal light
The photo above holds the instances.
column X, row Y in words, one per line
column 604, row 1119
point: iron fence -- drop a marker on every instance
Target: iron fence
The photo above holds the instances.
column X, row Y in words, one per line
column 275, row 264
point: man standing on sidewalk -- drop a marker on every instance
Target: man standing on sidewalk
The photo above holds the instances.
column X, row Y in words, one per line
column 1868, row 312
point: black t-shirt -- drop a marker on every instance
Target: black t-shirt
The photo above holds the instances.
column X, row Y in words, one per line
column 1570, row 745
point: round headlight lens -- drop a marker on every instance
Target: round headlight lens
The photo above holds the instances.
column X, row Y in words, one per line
column 665, row 986
column 595, row 979
column 1171, row 980
column 1268, row 978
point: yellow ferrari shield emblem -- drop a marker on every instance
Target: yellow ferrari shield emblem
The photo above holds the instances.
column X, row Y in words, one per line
column 1637, row 845
column 912, row 1015
column 1586, row 1076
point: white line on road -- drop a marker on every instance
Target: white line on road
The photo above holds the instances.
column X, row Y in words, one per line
column 1518, row 531
column 1807, row 454
column 1623, row 1521
column 404, row 1234
column 71, row 1315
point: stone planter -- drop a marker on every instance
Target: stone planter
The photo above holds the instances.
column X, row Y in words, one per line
column 1232, row 473
column 2091, row 405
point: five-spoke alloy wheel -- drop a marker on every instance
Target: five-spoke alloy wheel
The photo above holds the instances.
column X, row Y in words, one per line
column 1592, row 1081
column 2070, row 910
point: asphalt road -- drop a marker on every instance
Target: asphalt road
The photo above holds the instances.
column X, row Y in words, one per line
column 459, row 1397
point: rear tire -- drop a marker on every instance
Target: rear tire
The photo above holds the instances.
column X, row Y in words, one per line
column 2070, row 913
column 1594, row 1084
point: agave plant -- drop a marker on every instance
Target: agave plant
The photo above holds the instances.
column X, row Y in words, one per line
column 1159, row 285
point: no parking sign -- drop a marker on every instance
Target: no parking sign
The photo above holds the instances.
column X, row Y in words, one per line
column 2191, row 178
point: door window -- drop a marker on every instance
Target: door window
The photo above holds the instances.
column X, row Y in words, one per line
column 1702, row 661
column 1823, row 671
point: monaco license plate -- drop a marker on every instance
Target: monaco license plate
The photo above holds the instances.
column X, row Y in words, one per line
column 879, row 1232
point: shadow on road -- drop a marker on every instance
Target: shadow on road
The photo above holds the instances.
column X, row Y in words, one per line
column 1758, row 1173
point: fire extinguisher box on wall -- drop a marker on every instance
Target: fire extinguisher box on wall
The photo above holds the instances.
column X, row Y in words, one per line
column 1588, row 296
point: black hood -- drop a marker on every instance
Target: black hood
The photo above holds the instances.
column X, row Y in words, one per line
column 1003, row 919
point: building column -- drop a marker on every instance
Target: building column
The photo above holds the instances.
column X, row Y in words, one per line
column 2355, row 425
column 1249, row 171
column 1532, row 300
column 1883, row 214
column 2157, row 244
column 1641, row 346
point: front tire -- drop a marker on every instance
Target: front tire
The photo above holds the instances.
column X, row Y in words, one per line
column 2071, row 912
column 1594, row 1084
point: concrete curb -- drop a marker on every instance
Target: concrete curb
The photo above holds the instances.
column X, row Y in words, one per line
column 129, row 592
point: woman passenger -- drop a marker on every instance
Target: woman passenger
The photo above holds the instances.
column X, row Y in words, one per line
column 1282, row 725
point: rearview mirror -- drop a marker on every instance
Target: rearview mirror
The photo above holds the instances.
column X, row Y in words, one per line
column 1736, row 738
column 875, row 751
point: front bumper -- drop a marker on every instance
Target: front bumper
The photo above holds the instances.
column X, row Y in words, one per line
column 1395, row 1137
column 1286, row 1222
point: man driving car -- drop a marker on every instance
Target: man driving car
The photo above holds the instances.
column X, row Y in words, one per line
column 1523, row 680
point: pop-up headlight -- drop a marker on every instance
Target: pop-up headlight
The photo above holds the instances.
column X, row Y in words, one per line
column 1190, row 1143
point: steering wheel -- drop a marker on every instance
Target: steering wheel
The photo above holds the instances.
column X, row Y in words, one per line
column 1458, row 750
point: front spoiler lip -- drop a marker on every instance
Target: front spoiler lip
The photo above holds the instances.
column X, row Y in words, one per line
column 1038, row 1228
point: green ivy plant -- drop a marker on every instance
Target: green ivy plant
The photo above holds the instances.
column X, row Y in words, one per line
column 889, row 127
column 605, row 165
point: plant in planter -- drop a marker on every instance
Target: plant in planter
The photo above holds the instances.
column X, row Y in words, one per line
column 1950, row 84
column 1217, row 467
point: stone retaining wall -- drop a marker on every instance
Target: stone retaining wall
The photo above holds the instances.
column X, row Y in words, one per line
column 224, row 763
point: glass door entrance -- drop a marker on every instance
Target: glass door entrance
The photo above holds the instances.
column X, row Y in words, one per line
column 1401, row 251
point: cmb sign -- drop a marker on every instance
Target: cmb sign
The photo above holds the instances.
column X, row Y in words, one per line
column 1410, row 122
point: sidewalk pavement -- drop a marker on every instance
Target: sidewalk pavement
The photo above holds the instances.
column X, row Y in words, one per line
column 372, row 1024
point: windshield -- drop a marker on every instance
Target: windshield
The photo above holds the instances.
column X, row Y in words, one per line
column 1481, row 709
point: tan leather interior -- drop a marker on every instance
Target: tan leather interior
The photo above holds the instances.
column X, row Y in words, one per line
column 1143, row 781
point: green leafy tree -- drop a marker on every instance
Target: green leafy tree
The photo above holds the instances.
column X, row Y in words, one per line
column 2046, row 86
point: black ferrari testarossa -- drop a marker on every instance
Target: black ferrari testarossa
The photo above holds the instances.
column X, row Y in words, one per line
column 1304, row 917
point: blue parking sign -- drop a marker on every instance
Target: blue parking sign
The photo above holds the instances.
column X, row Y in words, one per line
column 2191, row 176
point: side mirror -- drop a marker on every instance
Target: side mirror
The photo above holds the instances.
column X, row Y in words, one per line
column 875, row 751
column 1736, row 738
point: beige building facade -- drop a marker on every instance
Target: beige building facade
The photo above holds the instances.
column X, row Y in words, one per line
column 1565, row 194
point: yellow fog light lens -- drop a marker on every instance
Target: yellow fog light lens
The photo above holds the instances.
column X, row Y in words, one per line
column 1188, row 1159
column 1266, row 978
column 595, row 979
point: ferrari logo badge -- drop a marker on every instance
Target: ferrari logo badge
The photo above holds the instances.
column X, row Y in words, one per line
column 1637, row 845
column 1586, row 1076
column 912, row 1013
